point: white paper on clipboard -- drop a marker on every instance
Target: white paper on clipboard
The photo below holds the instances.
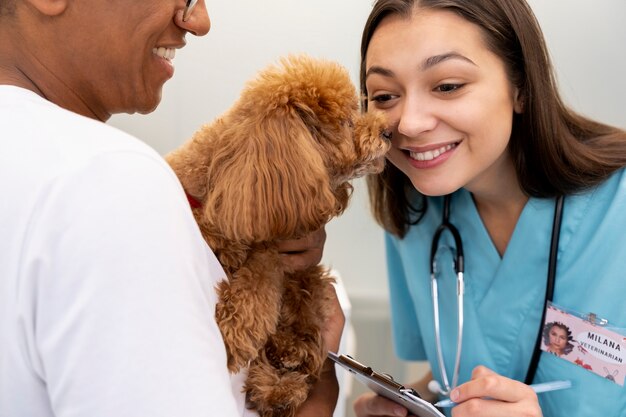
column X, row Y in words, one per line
column 385, row 386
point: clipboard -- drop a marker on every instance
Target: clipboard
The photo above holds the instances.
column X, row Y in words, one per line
column 385, row 386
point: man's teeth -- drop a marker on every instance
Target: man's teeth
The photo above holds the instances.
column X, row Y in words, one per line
column 167, row 53
column 430, row 155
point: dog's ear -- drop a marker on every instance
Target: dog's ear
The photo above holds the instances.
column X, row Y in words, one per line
column 268, row 180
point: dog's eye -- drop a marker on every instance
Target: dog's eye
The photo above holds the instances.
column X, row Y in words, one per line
column 349, row 123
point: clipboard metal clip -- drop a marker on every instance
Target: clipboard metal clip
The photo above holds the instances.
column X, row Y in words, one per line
column 595, row 320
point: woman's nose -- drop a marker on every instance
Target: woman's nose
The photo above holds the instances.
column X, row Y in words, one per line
column 198, row 22
column 415, row 119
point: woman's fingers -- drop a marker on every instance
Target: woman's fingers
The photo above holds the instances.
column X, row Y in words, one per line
column 486, row 383
column 372, row 405
column 489, row 394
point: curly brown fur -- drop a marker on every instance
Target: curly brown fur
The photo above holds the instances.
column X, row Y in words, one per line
column 277, row 166
column 293, row 356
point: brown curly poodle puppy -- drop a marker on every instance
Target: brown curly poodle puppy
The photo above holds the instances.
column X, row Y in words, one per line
column 277, row 166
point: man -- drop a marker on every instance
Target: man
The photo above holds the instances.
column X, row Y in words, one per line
column 106, row 286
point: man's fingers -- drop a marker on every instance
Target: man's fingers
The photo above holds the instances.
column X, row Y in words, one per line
column 303, row 253
column 333, row 327
column 314, row 240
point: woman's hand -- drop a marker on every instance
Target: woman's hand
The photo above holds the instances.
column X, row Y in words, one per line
column 300, row 254
column 372, row 405
column 507, row 397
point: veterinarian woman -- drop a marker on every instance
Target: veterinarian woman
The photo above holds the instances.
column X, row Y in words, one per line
column 483, row 145
column 106, row 286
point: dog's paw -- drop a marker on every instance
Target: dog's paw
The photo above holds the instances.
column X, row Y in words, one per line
column 274, row 393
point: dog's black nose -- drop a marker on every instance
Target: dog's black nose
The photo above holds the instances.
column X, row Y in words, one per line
column 387, row 134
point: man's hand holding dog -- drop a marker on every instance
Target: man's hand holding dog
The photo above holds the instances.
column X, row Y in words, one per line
column 300, row 254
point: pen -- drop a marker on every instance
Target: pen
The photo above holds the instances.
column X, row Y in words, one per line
column 538, row 388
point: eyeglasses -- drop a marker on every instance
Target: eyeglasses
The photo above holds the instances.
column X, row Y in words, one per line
column 189, row 6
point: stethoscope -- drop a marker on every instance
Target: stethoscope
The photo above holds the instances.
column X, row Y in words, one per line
column 434, row 386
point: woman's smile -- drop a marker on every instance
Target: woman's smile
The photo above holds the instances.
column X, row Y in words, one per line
column 454, row 88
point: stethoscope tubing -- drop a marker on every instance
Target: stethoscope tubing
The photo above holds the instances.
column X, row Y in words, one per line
column 459, row 267
column 552, row 264
column 457, row 361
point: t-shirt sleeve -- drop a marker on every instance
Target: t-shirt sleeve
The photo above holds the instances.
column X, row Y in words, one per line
column 405, row 329
column 118, row 304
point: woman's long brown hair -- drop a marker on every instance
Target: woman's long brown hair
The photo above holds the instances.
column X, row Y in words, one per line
column 555, row 150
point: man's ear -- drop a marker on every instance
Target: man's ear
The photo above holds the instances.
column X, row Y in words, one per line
column 49, row 7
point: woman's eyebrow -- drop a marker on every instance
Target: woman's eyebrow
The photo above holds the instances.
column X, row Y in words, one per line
column 427, row 64
column 380, row 71
column 437, row 59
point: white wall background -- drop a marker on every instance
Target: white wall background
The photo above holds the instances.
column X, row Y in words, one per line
column 586, row 40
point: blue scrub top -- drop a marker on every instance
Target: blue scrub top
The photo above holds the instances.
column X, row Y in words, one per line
column 504, row 296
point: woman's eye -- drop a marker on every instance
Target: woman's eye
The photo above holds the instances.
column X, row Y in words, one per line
column 448, row 87
column 381, row 98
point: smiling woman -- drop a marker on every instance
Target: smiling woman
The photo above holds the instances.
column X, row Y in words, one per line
column 476, row 116
column 453, row 93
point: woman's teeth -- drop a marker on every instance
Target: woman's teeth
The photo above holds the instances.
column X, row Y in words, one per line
column 430, row 155
column 167, row 53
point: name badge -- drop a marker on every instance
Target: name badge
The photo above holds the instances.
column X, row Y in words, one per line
column 580, row 340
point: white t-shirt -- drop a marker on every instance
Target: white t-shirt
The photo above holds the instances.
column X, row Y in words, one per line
column 106, row 286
